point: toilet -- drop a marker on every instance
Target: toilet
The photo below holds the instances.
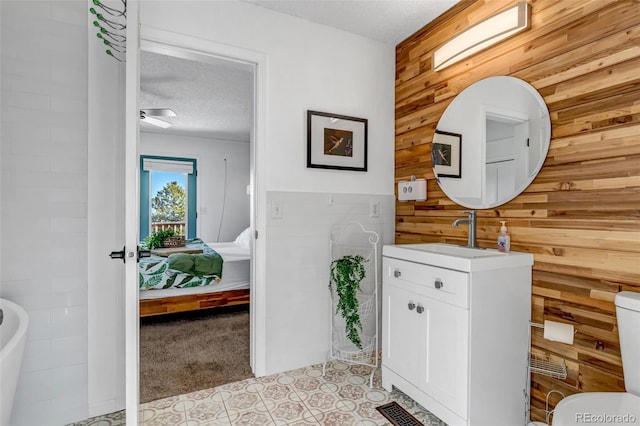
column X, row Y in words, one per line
column 611, row 408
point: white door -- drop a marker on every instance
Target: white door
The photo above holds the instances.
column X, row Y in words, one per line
column 400, row 346
column 131, row 213
column 443, row 372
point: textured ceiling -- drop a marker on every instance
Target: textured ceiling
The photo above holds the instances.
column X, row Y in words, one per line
column 389, row 21
column 213, row 99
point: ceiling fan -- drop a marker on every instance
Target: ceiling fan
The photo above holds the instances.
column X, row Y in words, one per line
column 148, row 116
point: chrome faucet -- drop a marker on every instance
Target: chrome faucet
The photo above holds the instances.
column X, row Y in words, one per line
column 471, row 220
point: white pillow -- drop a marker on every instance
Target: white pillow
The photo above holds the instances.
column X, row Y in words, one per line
column 244, row 239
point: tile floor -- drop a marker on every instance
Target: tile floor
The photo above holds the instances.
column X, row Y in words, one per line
column 299, row 397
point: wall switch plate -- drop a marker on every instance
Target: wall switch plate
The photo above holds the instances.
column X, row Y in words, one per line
column 412, row 190
column 374, row 209
column 276, row 209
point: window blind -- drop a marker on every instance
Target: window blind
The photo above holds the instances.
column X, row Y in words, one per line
column 153, row 164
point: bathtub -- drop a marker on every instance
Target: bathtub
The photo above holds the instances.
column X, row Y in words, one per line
column 13, row 332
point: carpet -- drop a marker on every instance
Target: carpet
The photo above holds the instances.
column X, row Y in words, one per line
column 183, row 353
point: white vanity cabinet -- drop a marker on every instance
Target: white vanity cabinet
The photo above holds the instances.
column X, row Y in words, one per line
column 455, row 330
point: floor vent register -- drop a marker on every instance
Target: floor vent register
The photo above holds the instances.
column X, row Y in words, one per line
column 397, row 415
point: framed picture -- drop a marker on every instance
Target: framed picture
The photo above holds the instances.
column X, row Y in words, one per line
column 446, row 154
column 336, row 141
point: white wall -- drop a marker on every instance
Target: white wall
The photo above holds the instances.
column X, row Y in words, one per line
column 309, row 67
column 210, row 155
column 298, row 268
column 44, row 199
column 45, row 175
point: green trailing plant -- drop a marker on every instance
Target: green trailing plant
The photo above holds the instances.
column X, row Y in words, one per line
column 156, row 239
column 346, row 275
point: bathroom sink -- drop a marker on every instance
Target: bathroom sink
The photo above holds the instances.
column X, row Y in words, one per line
column 456, row 257
column 458, row 251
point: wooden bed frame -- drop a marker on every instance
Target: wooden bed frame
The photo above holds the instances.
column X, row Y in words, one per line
column 193, row 302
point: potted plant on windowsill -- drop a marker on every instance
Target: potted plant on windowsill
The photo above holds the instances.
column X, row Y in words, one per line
column 345, row 277
column 159, row 239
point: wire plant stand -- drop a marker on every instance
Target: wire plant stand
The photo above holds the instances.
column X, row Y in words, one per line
column 353, row 239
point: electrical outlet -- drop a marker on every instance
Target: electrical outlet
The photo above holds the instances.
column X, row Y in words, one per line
column 276, row 209
column 374, row 209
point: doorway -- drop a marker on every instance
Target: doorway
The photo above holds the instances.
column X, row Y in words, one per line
column 213, row 101
column 161, row 41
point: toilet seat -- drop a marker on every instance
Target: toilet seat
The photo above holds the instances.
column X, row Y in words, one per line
column 605, row 408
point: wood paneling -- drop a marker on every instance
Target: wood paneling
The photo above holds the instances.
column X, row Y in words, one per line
column 580, row 218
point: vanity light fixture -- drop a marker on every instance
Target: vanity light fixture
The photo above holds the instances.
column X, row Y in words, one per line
column 482, row 35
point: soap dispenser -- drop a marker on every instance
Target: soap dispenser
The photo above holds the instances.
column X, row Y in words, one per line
column 504, row 240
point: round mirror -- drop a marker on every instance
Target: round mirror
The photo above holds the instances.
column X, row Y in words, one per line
column 491, row 142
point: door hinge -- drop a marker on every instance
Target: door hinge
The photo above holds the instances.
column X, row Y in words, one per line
column 256, row 234
column 527, row 141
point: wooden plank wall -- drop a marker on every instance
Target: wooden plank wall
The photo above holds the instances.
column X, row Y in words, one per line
column 581, row 216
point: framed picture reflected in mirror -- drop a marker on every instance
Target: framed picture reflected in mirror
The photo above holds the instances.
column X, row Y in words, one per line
column 446, row 154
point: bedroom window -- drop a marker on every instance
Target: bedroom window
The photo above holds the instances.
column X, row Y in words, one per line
column 167, row 195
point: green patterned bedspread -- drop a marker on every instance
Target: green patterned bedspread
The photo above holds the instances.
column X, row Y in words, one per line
column 181, row 270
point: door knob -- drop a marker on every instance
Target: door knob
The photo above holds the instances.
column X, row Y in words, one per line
column 143, row 253
column 438, row 284
column 411, row 306
column 118, row 254
column 396, row 273
column 420, row 309
column 121, row 254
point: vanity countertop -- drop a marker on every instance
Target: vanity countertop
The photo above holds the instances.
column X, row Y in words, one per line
column 456, row 257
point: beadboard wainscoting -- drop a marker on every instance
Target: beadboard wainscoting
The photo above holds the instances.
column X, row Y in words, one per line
column 297, row 276
column 581, row 215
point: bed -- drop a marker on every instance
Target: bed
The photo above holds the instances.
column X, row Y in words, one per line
column 203, row 291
